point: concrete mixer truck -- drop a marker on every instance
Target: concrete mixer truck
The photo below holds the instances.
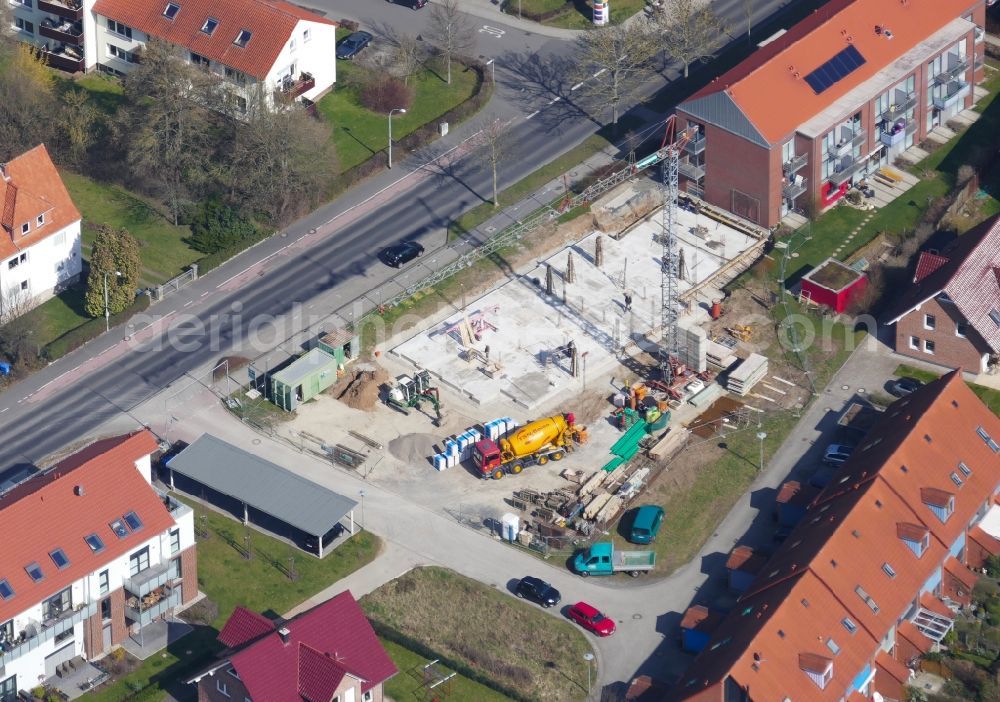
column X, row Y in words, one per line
column 536, row 442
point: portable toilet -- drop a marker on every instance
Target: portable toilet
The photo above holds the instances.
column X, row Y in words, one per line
column 510, row 525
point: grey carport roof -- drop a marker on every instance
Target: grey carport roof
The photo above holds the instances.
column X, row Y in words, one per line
column 262, row 484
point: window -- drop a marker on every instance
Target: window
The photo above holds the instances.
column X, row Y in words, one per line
column 291, row 44
column 6, row 591
column 27, row 28
column 175, row 541
column 241, row 103
column 103, row 583
column 827, row 677
column 867, row 598
column 962, row 329
column 989, row 442
column 59, row 558
column 199, row 60
column 7, row 631
column 995, row 316
column 138, row 561
column 106, row 609
column 25, row 228
column 210, row 24
column 118, row 526
column 119, row 29
column 306, row 35
column 54, row 606
column 832, row 645
column 928, row 346
column 95, row 543
column 133, row 521
column 24, row 285
column 955, row 479
column 12, row 264
column 119, row 53
column 235, row 76
column 243, row 37
column 915, row 342
column 367, row 697
column 930, row 321
column 221, row 686
column 35, row 571
column 8, row 689
column 171, row 10
column 68, row 634
column 59, row 239
column 40, row 220
column 966, row 471
column 888, row 570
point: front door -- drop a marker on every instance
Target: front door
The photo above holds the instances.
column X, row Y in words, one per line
column 106, row 637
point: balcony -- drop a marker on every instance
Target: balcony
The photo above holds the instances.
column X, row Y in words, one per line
column 956, row 90
column 65, row 31
column 956, row 67
column 696, row 145
column 894, row 134
column 691, row 171
column 176, row 508
column 979, row 33
column 65, row 58
column 36, row 634
column 152, row 578
column 153, row 606
column 846, row 170
column 903, row 104
column 795, row 188
column 291, row 89
column 794, row 164
column 67, row 10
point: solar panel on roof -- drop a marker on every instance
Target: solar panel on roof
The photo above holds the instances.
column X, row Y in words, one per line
column 837, row 68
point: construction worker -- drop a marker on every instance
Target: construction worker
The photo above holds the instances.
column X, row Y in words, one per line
column 628, row 302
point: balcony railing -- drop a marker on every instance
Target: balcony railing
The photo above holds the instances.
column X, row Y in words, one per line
column 176, row 508
column 696, row 145
column 37, row 634
column 144, row 614
column 795, row 163
column 957, row 90
column 911, row 126
column 66, row 31
column 290, row 89
column 794, row 189
column 846, row 172
column 64, row 60
column 691, row 171
column 979, row 33
column 956, row 67
column 891, row 137
column 67, row 10
column 904, row 103
column 152, row 578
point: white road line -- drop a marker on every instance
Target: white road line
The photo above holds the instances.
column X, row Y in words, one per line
column 532, row 114
column 205, row 293
column 577, row 85
column 555, row 100
column 4, row 410
column 600, row 72
column 189, row 303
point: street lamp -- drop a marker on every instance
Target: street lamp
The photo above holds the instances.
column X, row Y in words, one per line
column 761, row 435
column 493, row 71
column 402, row 111
column 588, row 656
column 361, row 493
column 107, row 312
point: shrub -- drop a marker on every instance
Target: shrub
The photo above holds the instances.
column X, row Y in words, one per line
column 383, row 93
column 349, row 25
column 216, row 226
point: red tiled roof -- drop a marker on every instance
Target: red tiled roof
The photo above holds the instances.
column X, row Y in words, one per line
column 963, row 574
column 46, row 513
column 989, row 542
column 910, row 532
column 244, row 626
column 319, row 674
column 270, row 668
column 909, row 631
column 927, row 264
column 968, row 277
column 814, row 663
column 933, row 604
column 270, row 22
column 700, row 618
column 890, row 666
column 770, row 87
column 30, row 187
column 745, row 559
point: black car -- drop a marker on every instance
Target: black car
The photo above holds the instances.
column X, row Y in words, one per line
column 537, row 590
column 412, row 4
column 353, row 44
column 400, row 254
column 903, row 386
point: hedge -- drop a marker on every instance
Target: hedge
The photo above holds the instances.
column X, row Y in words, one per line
column 214, row 260
column 510, row 8
column 75, row 338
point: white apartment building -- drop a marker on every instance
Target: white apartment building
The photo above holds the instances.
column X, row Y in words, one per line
column 268, row 46
column 40, row 242
column 92, row 554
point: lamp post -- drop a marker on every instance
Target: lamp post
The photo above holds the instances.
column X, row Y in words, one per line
column 107, row 312
column 761, row 435
column 588, row 656
column 402, row 111
column 361, row 493
column 493, row 71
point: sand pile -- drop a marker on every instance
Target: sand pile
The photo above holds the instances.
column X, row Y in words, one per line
column 359, row 388
column 414, row 449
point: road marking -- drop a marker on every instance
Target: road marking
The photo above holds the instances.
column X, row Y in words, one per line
column 495, row 31
column 600, row 72
column 189, row 303
column 577, row 85
column 4, row 410
column 554, row 100
column 205, row 293
column 532, row 114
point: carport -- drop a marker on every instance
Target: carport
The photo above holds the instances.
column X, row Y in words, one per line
column 260, row 492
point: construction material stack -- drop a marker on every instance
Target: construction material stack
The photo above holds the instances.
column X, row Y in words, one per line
column 742, row 380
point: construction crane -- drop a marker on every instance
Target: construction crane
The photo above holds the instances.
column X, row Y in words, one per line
column 673, row 143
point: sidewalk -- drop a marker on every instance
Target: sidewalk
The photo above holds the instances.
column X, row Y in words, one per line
column 490, row 10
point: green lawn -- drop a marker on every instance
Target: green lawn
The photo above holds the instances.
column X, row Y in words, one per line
column 407, row 683
column 55, row 317
column 577, row 14
column 261, row 583
column 104, row 90
column 162, row 248
column 358, row 133
column 989, row 396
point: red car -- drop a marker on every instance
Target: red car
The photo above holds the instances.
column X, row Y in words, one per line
column 590, row 618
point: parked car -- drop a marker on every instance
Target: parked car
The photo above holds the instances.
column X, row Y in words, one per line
column 400, row 254
column 646, row 524
column 537, row 590
column 837, row 454
column 352, row 45
column 695, row 386
column 412, row 4
column 591, row 619
column 901, row 387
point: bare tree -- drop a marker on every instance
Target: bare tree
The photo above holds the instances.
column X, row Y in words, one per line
column 15, row 328
column 493, row 142
column 614, row 59
column 79, row 118
column 28, row 108
column 690, row 31
column 406, row 57
column 450, row 30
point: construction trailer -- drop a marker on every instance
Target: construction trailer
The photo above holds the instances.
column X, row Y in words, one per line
column 308, row 376
column 344, row 345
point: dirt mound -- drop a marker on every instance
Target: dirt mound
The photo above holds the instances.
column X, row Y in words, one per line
column 413, row 449
column 359, row 388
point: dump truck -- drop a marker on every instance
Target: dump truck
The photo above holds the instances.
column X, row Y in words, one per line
column 537, row 442
column 602, row 559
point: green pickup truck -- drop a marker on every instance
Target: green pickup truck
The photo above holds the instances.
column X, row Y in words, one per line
column 602, row 559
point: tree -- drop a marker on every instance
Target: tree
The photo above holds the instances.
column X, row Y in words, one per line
column 167, row 118
column 15, row 328
column 493, row 140
column 689, row 31
column 281, row 163
column 216, row 226
column 79, row 118
column 614, row 59
column 406, row 57
column 28, row 110
column 450, row 30
column 115, row 252
column 748, row 13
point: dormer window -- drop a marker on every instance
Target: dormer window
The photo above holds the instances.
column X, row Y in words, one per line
column 210, row 24
column 25, row 228
column 171, row 10
column 941, row 503
column 818, row 668
column 242, row 38
column 917, row 538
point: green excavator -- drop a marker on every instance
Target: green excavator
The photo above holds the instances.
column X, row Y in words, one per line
column 412, row 392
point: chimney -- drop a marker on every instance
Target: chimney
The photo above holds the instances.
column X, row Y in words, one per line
column 284, row 633
column 78, row 490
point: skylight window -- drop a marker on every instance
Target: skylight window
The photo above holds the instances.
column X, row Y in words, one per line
column 840, row 66
column 210, row 24
column 6, row 591
column 955, row 479
column 989, row 441
column 133, row 521
column 35, row 571
column 95, row 543
column 849, row 624
column 242, row 38
column 832, row 645
column 995, row 316
column 171, row 10
column 888, row 570
column 118, row 526
column 59, row 558
column 966, row 471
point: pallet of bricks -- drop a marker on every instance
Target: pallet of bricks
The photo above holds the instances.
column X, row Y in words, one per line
column 458, row 448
